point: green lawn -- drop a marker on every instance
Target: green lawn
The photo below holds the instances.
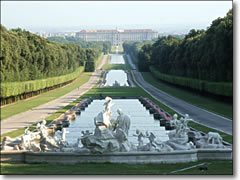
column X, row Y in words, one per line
column 115, row 66
column 22, row 106
column 108, row 66
column 113, row 49
column 214, row 168
column 210, row 104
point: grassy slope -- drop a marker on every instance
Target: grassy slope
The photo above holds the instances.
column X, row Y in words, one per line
column 214, row 167
column 210, row 104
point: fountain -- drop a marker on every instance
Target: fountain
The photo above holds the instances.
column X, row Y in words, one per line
column 117, row 59
column 116, row 78
column 110, row 141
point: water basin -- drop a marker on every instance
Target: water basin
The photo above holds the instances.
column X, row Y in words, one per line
column 118, row 76
column 140, row 119
column 117, row 59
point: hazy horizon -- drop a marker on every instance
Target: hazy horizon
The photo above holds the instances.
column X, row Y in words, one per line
column 163, row 16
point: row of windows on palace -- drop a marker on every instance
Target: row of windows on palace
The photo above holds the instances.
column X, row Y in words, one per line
column 117, row 38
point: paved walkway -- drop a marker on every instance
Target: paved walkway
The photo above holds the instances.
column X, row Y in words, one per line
column 199, row 115
column 38, row 113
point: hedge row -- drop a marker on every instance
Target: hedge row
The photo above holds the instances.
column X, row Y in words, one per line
column 9, row 89
column 217, row 88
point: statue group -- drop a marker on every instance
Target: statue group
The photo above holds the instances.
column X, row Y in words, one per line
column 111, row 135
column 37, row 140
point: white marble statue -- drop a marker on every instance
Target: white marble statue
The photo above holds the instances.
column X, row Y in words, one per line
column 48, row 144
column 181, row 126
column 178, row 138
column 5, row 145
column 210, row 140
column 151, row 137
column 108, row 104
column 102, row 120
column 184, row 122
column 58, row 135
column 154, row 144
column 35, row 147
column 214, row 138
column 64, row 132
column 123, row 121
column 140, row 137
column 26, row 139
column 109, row 136
column 173, row 122
column 86, row 133
column 43, row 128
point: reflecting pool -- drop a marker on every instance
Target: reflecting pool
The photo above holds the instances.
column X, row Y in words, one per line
column 117, row 59
column 118, row 76
column 140, row 119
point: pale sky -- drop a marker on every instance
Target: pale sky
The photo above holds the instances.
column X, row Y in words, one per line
column 57, row 14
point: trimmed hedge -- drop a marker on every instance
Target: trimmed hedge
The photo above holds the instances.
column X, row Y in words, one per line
column 9, row 89
column 217, row 88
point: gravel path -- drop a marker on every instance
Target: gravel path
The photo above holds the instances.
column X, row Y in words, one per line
column 38, row 113
column 199, row 115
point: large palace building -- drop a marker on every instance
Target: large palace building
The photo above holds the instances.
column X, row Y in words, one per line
column 117, row 37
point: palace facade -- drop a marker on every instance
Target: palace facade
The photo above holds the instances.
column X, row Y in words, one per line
column 117, row 37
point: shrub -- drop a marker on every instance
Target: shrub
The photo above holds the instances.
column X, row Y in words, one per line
column 217, row 88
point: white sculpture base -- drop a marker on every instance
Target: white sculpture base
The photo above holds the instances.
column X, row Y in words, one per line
column 118, row 157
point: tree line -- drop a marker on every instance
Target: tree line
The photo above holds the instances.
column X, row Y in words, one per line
column 132, row 48
column 202, row 55
column 26, row 56
column 98, row 46
column 31, row 64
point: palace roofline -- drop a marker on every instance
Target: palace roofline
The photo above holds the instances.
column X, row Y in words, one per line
column 110, row 31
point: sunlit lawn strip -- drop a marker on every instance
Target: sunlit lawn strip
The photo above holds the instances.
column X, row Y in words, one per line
column 25, row 105
column 108, row 66
column 213, row 167
column 113, row 49
column 207, row 103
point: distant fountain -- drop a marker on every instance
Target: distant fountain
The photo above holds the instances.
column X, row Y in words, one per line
column 116, row 78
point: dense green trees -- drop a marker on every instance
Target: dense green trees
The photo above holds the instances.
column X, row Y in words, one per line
column 132, row 48
column 90, row 63
column 31, row 64
column 201, row 55
column 99, row 47
column 204, row 55
column 144, row 57
column 25, row 56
